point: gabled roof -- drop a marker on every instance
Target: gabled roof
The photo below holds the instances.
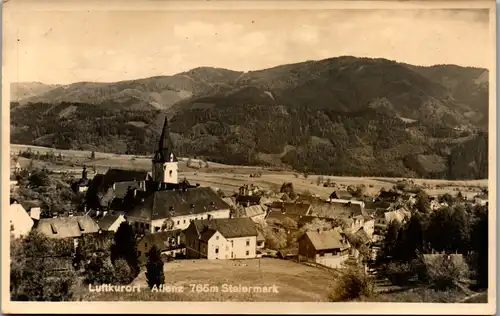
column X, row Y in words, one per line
column 341, row 194
column 300, row 209
column 164, row 204
column 107, row 220
column 339, row 210
column 275, row 215
column 254, row 210
column 228, row 227
column 362, row 235
column 244, row 199
column 324, row 240
column 229, row 201
column 163, row 240
column 67, row 227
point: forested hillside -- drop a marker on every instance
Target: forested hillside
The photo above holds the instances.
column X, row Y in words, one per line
column 343, row 116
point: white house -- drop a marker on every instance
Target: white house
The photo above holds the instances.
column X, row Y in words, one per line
column 20, row 221
column 234, row 238
column 329, row 248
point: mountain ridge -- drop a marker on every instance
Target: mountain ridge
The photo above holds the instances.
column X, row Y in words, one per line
column 343, row 115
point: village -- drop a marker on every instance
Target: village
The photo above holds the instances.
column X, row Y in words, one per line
column 141, row 216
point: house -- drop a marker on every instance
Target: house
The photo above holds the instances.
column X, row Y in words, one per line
column 175, row 209
column 278, row 211
column 234, row 238
column 111, row 222
column 20, row 221
column 352, row 213
column 115, row 184
column 248, row 200
column 343, row 201
column 341, row 195
column 261, row 240
column 82, row 184
column 230, row 201
column 288, row 253
column 73, row 227
column 328, row 248
column 255, row 212
column 481, row 199
column 434, row 205
column 389, row 195
column 169, row 243
column 400, row 215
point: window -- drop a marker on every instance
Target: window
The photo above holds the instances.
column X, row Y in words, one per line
column 216, row 237
column 178, row 222
column 248, row 252
column 147, row 226
column 196, row 218
column 184, row 221
column 170, row 172
column 321, row 254
column 248, row 242
column 145, row 245
column 142, row 225
column 216, row 249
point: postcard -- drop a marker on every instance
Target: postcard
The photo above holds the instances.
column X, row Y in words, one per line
column 324, row 157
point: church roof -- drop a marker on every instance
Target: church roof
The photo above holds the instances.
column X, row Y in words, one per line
column 165, row 152
column 171, row 203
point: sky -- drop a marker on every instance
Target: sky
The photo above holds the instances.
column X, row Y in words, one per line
column 61, row 47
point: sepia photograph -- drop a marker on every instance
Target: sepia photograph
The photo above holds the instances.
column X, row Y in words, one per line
column 225, row 152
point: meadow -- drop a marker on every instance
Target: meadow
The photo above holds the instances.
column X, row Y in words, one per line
column 229, row 177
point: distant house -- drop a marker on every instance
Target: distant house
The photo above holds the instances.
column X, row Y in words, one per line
column 230, row 201
column 72, row 227
column 389, row 195
column 481, row 199
column 281, row 210
column 248, row 200
column 111, row 222
column 255, row 212
column 328, row 248
column 352, row 213
column 103, row 189
column 167, row 242
column 341, row 195
column 179, row 207
column 234, row 238
column 20, row 221
column 435, row 205
column 343, row 201
column 401, row 215
column 288, row 253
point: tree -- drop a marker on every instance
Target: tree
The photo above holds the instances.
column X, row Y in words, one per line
column 276, row 238
column 391, row 237
column 479, row 243
column 423, row 202
column 92, row 155
column 446, row 271
column 154, row 268
column 353, row 283
column 41, row 269
column 123, row 272
column 317, row 224
column 99, row 270
column 288, row 189
column 125, row 248
column 168, row 224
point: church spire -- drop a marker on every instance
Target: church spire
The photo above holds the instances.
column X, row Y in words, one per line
column 165, row 146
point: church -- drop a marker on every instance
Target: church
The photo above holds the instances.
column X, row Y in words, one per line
column 156, row 201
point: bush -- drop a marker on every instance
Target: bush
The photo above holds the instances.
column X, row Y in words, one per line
column 399, row 273
column 352, row 284
column 446, row 271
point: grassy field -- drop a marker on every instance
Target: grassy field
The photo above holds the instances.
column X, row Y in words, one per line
column 229, row 178
column 294, row 282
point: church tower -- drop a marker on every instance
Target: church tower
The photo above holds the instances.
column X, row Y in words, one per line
column 165, row 166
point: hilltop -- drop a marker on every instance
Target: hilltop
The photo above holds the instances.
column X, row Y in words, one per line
column 339, row 116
